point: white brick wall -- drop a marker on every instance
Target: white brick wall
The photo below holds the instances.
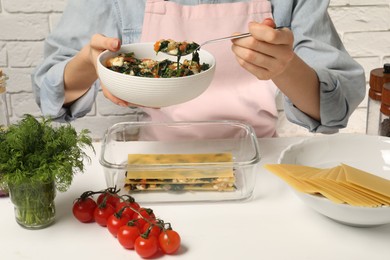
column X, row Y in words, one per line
column 363, row 25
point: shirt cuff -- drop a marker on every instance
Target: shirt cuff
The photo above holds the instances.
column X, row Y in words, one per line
column 52, row 97
column 330, row 97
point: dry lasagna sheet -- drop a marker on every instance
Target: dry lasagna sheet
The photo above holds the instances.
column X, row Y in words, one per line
column 184, row 175
column 341, row 184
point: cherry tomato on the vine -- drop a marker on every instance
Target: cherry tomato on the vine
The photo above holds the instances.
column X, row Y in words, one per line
column 134, row 226
column 127, row 235
column 115, row 221
column 155, row 230
column 111, row 198
column 169, row 241
column 146, row 247
column 129, row 206
column 83, row 209
column 143, row 216
column 102, row 212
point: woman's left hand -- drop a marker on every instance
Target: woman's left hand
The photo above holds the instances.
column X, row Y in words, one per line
column 268, row 52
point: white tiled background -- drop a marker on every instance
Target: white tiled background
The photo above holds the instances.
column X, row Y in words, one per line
column 363, row 25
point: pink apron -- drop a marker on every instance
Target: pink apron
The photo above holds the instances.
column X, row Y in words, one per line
column 234, row 93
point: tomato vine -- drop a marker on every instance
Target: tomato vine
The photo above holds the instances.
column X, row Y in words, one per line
column 134, row 226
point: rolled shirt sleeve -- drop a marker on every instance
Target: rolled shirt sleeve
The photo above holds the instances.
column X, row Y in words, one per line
column 80, row 20
column 316, row 41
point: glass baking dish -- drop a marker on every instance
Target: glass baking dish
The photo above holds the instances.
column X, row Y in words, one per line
column 142, row 139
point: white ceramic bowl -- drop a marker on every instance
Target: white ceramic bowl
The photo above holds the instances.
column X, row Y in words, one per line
column 368, row 153
column 154, row 92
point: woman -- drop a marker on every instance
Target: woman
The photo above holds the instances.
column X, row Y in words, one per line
column 305, row 60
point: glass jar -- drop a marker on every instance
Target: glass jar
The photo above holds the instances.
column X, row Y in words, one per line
column 378, row 77
column 34, row 204
column 4, row 117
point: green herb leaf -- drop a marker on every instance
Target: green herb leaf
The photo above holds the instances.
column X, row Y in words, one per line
column 36, row 151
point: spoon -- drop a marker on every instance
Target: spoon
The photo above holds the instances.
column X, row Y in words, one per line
column 236, row 36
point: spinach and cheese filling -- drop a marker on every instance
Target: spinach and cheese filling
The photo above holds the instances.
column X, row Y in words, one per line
column 177, row 178
column 127, row 63
column 181, row 187
column 175, row 48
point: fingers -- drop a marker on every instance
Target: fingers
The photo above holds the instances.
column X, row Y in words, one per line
column 269, row 22
column 263, row 32
column 244, row 49
column 261, row 65
column 107, row 94
column 113, row 98
column 267, row 52
column 261, row 73
column 97, row 44
column 264, row 60
column 101, row 42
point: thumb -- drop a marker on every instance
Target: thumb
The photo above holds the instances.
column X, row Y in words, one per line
column 269, row 22
column 115, row 44
column 101, row 42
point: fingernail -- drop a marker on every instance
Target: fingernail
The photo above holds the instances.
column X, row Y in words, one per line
column 115, row 44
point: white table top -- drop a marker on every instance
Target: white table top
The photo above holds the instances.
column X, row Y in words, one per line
column 273, row 224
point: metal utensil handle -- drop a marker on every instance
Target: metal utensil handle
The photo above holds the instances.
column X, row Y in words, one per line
column 237, row 36
column 226, row 38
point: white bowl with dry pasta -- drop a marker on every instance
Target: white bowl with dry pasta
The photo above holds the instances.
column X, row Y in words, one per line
column 139, row 75
column 352, row 185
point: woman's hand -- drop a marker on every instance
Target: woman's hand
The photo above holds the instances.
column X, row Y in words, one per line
column 81, row 71
column 97, row 45
column 268, row 52
column 100, row 43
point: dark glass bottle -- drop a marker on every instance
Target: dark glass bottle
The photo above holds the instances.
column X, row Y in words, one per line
column 384, row 126
column 378, row 77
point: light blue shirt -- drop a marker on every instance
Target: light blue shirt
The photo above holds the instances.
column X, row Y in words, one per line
column 342, row 82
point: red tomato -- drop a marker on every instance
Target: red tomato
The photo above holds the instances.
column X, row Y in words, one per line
column 154, row 231
column 102, row 213
column 129, row 207
column 169, row 241
column 146, row 247
column 115, row 221
column 112, row 198
column 83, row 209
column 127, row 235
column 143, row 216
